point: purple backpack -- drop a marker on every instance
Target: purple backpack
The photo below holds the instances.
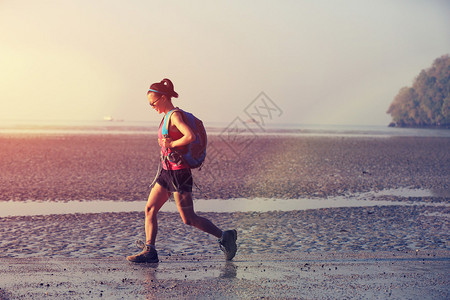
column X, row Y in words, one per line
column 194, row 153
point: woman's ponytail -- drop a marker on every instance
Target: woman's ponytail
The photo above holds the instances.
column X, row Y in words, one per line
column 164, row 87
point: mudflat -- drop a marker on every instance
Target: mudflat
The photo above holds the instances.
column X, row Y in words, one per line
column 358, row 252
column 361, row 275
column 120, row 167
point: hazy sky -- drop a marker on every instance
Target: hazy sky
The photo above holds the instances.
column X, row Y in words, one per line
column 321, row 62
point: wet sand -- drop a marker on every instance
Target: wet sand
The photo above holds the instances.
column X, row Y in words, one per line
column 120, row 167
column 396, row 251
column 399, row 275
column 387, row 228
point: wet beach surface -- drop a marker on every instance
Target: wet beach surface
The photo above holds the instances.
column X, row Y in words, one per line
column 387, row 228
column 379, row 252
column 120, row 167
column 402, row 275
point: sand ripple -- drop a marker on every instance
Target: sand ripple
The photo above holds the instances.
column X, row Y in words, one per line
column 334, row 229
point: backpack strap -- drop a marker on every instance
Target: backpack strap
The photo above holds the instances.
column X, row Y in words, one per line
column 165, row 133
column 166, row 122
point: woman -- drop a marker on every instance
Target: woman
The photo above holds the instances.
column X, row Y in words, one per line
column 175, row 178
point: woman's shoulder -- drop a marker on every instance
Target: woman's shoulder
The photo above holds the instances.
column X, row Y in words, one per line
column 176, row 119
column 177, row 114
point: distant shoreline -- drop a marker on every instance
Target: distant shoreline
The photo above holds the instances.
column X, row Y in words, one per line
column 395, row 125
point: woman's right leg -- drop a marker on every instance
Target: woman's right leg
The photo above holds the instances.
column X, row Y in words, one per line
column 158, row 196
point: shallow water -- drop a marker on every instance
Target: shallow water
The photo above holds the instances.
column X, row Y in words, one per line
column 132, row 127
column 28, row 208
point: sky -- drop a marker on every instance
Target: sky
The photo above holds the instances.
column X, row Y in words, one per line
column 320, row 62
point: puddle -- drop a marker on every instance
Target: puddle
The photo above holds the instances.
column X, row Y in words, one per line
column 28, row 208
column 402, row 192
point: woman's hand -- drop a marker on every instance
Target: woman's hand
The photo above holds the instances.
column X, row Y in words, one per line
column 165, row 142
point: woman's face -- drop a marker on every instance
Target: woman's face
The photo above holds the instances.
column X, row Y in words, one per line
column 156, row 100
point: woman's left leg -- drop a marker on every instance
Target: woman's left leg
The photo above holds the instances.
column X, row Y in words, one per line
column 185, row 207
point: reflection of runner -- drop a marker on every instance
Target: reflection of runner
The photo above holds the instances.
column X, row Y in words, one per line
column 176, row 179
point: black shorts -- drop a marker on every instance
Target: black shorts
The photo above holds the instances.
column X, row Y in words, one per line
column 176, row 180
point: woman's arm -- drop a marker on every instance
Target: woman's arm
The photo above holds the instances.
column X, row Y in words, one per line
column 188, row 136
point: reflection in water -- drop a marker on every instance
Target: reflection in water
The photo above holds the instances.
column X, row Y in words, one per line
column 229, row 270
column 149, row 272
column 186, row 270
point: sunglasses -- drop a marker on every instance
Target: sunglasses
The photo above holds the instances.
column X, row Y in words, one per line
column 153, row 104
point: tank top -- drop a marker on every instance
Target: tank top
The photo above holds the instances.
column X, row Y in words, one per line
column 174, row 135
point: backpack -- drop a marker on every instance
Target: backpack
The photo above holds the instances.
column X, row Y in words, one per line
column 195, row 152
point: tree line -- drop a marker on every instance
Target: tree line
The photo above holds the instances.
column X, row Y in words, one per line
column 427, row 102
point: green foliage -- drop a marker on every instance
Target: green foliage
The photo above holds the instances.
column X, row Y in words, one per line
column 427, row 102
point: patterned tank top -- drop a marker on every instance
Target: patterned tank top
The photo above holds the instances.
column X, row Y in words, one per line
column 168, row 164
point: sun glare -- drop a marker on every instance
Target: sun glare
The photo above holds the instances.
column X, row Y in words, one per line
column 53, row 84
